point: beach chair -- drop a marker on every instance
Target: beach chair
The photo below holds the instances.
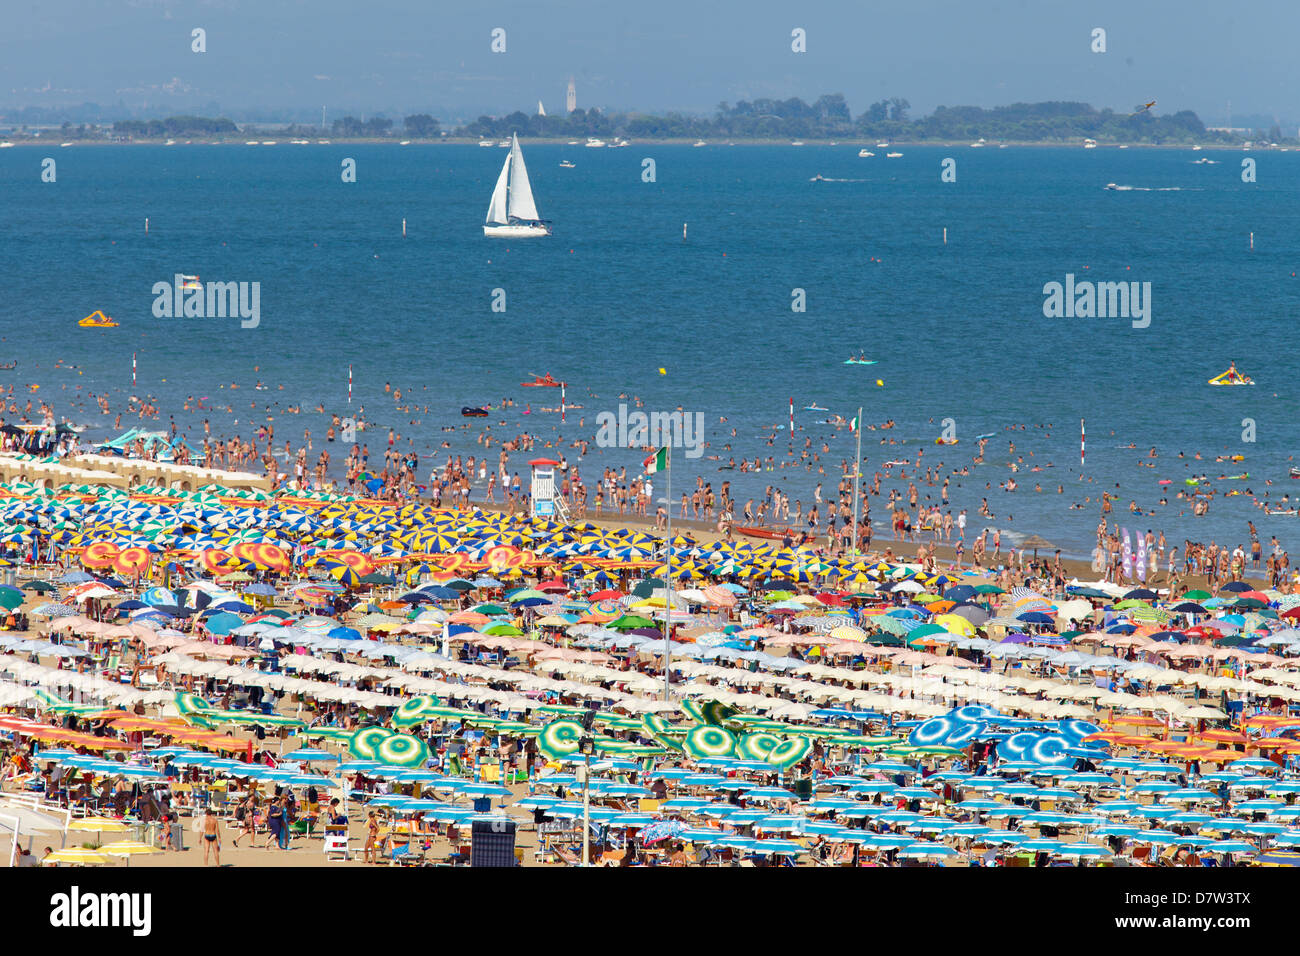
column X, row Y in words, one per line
column 572, row 857
column 336, row 842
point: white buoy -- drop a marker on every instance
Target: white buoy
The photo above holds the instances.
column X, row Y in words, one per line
column 945, row 235
column 1252, row 242
column 403, row 228
column 683, row 232
column 146, row 225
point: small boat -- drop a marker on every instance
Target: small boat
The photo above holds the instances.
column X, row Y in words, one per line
column 1089, row 144
column 1295, row 472
column 858, row 361
column 10, row 367
column 773, row 534
column 594, row 143
column 893, row 155
column 1231, row 377
column 512, row 213
column 865, row 154
column 486, row 142
column 190, row 283
column 97, row 320
column 541, row 381
column 474, row 412
column 6, row 145
column 1112, row 186
column 797, row 142
column 568, row 165
column 405, row 142
column 819, row 178
column 977, row 145
column 699, row 142
column 882, row 146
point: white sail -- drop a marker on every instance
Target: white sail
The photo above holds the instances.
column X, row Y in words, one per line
column 497, row 208
column 521, row 205
column 541, row 110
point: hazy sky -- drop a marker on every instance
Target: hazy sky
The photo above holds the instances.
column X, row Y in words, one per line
column 654, row 55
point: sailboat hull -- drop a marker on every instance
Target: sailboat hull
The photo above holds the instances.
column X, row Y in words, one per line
column 515, row 231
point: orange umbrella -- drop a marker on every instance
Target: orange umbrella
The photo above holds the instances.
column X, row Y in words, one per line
column 132, row 561
column 215, row 560
column 101, row 554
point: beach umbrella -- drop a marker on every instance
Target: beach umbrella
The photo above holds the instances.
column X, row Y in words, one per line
column 402, row 750
column 708, row 740
column 76, row 856
column 365, row 742
column 128, row 849
column 789, row 752
column 560, row 738
column 757, row 746
column 415, row 711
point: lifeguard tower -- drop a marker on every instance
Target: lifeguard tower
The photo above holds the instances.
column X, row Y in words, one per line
column 547, row 502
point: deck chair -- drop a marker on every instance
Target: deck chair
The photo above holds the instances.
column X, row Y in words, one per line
column 571, row 857
column 336, row 842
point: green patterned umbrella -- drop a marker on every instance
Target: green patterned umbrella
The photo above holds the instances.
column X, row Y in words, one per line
column 366, row 741
column 708, row 711
column 326, row 733
column 789, row 752
column 757, row 746
column 187, row 703
column 560, row 738
column 415, row 711
column 659, row 729
column 402, row 750
column 707, row 740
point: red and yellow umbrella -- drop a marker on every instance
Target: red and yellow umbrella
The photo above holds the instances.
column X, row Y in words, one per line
column 101, row 554
column 132, row 561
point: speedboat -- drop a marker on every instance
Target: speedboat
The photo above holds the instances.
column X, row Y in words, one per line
column 473, row 412
column 865, row 154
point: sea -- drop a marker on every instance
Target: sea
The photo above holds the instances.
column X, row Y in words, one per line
column 724, row 280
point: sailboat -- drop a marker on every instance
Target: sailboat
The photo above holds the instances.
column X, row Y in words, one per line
column 512, row 213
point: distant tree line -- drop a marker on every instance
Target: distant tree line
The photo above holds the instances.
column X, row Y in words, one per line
column 829, row 118
column 174, row 126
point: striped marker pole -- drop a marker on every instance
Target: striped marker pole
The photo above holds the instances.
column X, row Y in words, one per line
column 349, row 384
column 133, row 354
column 1083, row 438
column 792, row 418
column 561, row 401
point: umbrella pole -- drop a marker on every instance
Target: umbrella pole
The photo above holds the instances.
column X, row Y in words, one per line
column 668, row 578
column 586, row 810
column 857, row 470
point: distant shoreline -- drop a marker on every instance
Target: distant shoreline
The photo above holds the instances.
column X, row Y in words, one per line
column 551, row 141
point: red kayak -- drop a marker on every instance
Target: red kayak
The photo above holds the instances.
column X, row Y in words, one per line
column 776, row 534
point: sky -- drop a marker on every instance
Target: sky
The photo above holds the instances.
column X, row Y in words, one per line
column 400, row 56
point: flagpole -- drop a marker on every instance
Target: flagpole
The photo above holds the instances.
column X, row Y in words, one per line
column 857, row 470
column 668, row 577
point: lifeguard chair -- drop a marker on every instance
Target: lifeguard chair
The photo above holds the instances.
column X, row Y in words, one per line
column 547, row 502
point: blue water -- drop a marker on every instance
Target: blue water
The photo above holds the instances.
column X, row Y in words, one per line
column 616, row 294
